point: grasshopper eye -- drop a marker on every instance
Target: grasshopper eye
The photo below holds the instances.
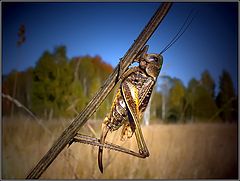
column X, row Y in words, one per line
column 153, row 59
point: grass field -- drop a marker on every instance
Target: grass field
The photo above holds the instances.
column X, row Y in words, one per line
column 178, row 151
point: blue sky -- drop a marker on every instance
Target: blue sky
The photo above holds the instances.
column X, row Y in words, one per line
column 109, row 29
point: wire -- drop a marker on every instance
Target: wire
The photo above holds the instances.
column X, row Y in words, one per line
column 181, row 31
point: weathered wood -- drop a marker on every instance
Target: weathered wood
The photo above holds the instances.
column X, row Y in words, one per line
column 100, row 96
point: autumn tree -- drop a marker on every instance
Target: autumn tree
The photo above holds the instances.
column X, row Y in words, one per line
column 89, row 75
column 77, row 100
column 208, row 82
column 22, row 91
column 51, row 80
column 176, row 100
column 205, row 106
column 191, row 92
column 7, row 88
column 201, row 104
column 226, row 98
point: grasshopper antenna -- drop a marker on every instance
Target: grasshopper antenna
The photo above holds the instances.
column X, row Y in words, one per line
column 181, row 31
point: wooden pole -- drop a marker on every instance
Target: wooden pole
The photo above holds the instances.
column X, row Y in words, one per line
column 100, row 96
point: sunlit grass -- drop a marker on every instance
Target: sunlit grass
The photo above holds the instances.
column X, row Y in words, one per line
column 176, row 152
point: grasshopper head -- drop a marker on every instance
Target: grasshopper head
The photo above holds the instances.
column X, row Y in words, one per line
column 152, row 64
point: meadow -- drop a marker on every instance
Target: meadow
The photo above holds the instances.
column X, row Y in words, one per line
column 177, row 151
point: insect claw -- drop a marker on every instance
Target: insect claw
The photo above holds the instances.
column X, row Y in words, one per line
column 144, row 153
column 147, row 154
column 100, row 165
column 105, row 130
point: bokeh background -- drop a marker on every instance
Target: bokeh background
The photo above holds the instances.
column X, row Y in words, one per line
column 57, row 55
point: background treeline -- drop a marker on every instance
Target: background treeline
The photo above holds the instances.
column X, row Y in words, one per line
column 60, row 87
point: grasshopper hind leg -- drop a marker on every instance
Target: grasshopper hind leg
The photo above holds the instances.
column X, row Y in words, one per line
column 105, row 130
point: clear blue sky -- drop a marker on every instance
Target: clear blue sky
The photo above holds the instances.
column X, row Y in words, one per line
column 109, row 29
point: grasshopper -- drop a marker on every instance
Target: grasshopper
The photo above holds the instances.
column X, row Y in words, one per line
column 130, row 102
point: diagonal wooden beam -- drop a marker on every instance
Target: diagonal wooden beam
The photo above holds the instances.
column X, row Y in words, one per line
column 100, row 96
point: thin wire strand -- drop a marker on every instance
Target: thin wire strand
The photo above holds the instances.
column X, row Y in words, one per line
column 179, row 34
column 186, row 20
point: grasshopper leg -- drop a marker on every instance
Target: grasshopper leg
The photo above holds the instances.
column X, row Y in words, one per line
column 130, row 94
column 105, row 130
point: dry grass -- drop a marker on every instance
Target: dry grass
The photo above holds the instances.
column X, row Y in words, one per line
column 177, row 152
